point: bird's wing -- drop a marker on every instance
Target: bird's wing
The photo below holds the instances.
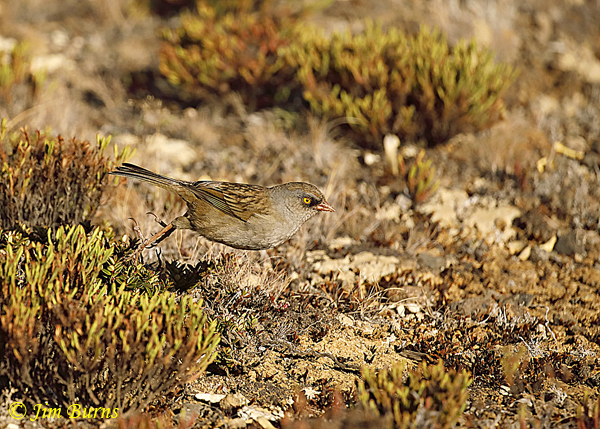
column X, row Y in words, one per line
column 234, row 199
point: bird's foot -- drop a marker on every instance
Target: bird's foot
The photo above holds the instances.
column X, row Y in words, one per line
column 157, row 219
column 167, row 230
column 137, row 229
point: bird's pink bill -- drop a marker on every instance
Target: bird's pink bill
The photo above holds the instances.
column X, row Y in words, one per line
column 325, row 207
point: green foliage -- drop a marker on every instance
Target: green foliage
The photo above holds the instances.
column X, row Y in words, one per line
column 438, row 396
column 588, row 411
column 15, row 70
column 215, row 53
column 71, row 333
column 48, row 181
column 380, row 82
column 135, row 277
column 411, row 86
column 420, row 178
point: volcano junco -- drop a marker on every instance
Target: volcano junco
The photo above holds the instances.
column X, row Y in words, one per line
column 243, row 216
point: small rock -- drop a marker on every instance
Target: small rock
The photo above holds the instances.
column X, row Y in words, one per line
column 233, row 401
column 518, row 299
column 372, row 267
column 412, row 307
column 485, row 219
column 539, row 255
column 237, row 423
column 389, row 212
column 213, row 398
column 548, row 246
column 264, row 423
column 340, row 242
column 515, row 247
column 345, row 320
column 525, row 254
column 255, row 413
column 569, row 244
column 591, row 238
column 371, row 159
column 444, row 206
column 434, row 263
column 403, row 202
column 410, row 151
column 472, row 307
column 401, row 310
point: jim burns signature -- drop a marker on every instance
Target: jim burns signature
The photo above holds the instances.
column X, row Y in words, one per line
column 18, row 410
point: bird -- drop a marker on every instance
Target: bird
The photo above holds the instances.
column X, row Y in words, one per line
column 239, row 215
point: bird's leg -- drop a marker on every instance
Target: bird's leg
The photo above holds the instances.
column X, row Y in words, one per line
column 137, row 229
column 167, row 230
column 164, row 233
column 155, row 239
column 161, row 235
column 157, row 219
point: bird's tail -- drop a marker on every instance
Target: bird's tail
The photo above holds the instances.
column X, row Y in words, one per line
column 133, row 171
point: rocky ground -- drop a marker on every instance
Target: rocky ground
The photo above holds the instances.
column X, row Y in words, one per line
column 497, row 273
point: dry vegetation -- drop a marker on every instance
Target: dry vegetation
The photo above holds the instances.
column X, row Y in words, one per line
column 457, row 284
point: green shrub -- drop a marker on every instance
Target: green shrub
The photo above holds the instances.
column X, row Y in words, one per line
column 70, row 332
column 215, row 53
column 381, row 82
column 385, row 82
column 48, row 181
column 438, row 396
column 420, row 178
column 588, row 411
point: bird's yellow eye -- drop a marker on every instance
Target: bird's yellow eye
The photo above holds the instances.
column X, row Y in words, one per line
column 307, row 200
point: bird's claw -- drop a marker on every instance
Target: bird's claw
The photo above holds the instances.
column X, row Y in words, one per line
column 167, row 230
column 145, row 243
column 158, row 220
column 137, row 229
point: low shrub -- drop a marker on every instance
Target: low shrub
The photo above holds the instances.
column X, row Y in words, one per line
column 385, row 82
column 420, row 178
column 214, row 53
column 438, row 396
column 379, row 82
column 71, row 334
column 47, row 181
